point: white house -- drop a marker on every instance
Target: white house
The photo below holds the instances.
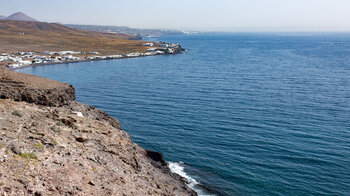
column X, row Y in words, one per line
column 68, row 52
column 148, row 44
column 16, row 59
column 49, row 53
column 13, row 66
column 25, row 62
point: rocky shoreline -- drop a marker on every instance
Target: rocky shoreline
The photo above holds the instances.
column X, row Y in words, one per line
column 47, row 149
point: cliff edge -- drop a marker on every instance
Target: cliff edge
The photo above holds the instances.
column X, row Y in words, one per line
column 34, row 89
column 47, row 149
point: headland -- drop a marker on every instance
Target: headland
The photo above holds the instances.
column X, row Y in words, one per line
column 53, row 145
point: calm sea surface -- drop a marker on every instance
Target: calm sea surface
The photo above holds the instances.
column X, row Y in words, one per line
column 238, row 114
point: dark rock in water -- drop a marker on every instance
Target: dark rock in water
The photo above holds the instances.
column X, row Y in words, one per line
column 179, row 50
column 156, row 156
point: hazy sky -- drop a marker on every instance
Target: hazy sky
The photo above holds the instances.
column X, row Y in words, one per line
column 208, row 15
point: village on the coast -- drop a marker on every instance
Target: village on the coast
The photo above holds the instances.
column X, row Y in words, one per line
column 23, row 58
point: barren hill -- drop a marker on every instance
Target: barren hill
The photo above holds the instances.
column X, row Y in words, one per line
column 19, row 16
column 40, row 36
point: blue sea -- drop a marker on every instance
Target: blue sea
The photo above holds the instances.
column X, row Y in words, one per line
column 237, row 114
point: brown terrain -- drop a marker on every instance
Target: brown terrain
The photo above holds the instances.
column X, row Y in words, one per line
column 34, row 89
column 39, row 37
column 47, row 149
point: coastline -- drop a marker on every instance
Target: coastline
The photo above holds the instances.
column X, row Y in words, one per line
column 32, row 95
column 88, row 60
column 44, row 102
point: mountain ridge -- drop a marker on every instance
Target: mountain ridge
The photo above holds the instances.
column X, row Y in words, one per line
column 18, row 16
column 126, row 30
column 137, row 33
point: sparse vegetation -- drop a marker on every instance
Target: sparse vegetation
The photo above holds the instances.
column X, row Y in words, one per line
column 56, row 129
column 28, row 156
column 17, row 113
column 39, row 146
column 59, row 123
column 54, row 141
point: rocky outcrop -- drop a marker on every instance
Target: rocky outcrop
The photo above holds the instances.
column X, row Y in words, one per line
column 32, row 89
column 47, row 149
column 51, row 151
column 179, row 50
column 157, row 157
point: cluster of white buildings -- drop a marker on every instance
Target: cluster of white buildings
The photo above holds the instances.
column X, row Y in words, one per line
column 162, row 45
column 149, row 44
column 104, row 57
column 162, row 48
column 62, row 53
column 129, row 55
column 21, row 59
column 15, row 61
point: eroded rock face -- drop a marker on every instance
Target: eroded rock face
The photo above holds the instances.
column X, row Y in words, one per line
column 33, row 89
column 47, row 149
column 51, row 151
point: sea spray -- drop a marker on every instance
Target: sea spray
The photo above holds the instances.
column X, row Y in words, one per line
column 179, row 168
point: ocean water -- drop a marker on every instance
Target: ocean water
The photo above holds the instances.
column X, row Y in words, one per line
column 237, row 114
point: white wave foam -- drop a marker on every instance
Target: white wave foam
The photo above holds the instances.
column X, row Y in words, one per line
column 178, row 169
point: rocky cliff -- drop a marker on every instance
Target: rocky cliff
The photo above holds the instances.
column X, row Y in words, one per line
column 33, row 89
column 47, row 149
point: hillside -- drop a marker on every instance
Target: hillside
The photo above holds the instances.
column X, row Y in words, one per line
column 39, row 36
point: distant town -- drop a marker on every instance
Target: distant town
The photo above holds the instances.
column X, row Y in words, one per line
column 23, row 58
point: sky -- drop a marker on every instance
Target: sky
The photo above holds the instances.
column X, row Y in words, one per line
column 193, row 15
